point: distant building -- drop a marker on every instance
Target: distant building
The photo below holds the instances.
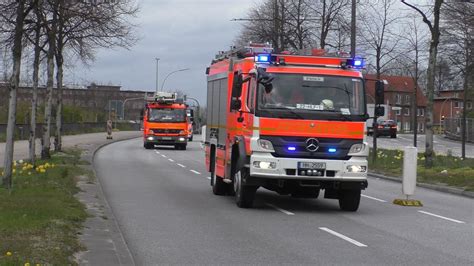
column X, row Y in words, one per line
column 449, row 104
column 399, row 93
column 106, row 100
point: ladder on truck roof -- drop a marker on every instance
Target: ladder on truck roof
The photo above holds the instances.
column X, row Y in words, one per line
column 164, row 98
column 245, row 51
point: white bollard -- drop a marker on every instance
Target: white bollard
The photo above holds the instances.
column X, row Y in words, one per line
column 410, row 159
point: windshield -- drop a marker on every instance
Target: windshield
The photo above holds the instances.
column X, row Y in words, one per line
column 167, row 115
column 310, row 93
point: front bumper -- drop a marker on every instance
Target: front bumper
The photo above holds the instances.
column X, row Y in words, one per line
column 166, row 140
column 287, row 168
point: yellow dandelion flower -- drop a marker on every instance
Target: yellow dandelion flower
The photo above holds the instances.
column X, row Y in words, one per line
column 29, row 173
column 27, row 264
column 42, row 171
column 14, row 171
column 9, row 253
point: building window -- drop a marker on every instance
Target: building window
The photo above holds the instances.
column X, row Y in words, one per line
column 406, row 111
column 469, row 105
column 407, row 99
column 458, row 104
column 421, row 127
column 398, row 98
column 421, row 112
column 398, row 112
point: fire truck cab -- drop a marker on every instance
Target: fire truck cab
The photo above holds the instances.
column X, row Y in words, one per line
column 165, row 121
column 289, row 123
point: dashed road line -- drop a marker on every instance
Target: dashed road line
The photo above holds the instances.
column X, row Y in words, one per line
column 442, row 217
column 196, row 172
column 372, row 198
column 157, row 152
column 171, row 160
column 164, row 156
column 348, row 239
column 279, row 209
column 180, row 165
column 209, row 178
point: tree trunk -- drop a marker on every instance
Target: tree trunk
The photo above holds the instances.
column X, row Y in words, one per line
column 14, row 83
column 429, row 153
column 59, row 105
column 34, row 101
column 45, row 151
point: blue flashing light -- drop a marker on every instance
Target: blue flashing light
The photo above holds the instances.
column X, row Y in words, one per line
column 263, row 58
column 332, row 150
column 356, row 62
column 291, row 148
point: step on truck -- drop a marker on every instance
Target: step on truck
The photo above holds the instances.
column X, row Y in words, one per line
column 165, row 121
column 289, row 123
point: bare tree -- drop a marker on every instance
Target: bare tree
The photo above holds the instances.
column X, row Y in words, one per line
column 378, row 37
column 21, row 10
column 458, row 19
column 330, row 14
column 434, row 26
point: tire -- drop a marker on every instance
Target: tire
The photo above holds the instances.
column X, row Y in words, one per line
column 218, row 186
column 148, row 146
column 393, row 136
column 349, row 200
column 191, row 138
column 244, row 194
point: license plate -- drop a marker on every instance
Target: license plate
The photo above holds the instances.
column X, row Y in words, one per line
column 166, row 138
column 312, row 165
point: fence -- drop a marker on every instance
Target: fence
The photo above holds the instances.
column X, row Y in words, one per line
column 22, row 131
column 452, row 128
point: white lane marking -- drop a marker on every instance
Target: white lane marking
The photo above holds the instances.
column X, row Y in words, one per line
column 180, row 165
column 164, row 156
column 196, row 172
column 208, row 177
column 171, row 160
column 348, row 239
column 442, row 217
column 157, row 152
column 372, row 198
column 279, row 209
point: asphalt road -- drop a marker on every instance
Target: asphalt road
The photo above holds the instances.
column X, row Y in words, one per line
column 164, row 205
column 441, row 144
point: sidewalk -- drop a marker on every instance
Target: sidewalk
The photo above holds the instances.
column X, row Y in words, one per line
column 21, row 147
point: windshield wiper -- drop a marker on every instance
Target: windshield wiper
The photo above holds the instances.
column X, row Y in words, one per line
column 291, row 110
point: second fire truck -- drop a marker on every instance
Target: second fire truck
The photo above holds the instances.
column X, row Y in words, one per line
column 289, row 123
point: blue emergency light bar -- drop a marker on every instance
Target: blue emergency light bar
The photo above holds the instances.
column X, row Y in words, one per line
column 263, row 58
column 332, row 150
column 355, row 62
column 291, row 148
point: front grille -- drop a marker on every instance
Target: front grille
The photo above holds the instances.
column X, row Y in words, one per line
column 166, row 131
column 281, row 144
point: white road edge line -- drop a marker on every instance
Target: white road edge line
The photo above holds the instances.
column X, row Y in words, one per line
column 180, row 165
column 171, row 160
column 196, row 172
column 348, row 239
column 208, row 177
column 372, row 198
column 279, row 209
column 442, row 217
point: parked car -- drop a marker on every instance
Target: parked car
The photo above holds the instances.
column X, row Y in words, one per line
column 387, row 128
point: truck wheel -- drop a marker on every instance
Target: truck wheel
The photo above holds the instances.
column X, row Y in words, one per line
column 191, row 138
column 244, row 194
column 218, row 186
column 148, row 146
column 394, row 136
column 349, row 200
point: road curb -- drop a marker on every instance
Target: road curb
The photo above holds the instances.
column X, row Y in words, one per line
column 440, row 188
column 122, row 251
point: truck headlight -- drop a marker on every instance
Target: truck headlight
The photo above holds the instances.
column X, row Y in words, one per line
column 150, row 138
column 264, row 165
column 356, row 168
column 356, row 148
column 266, row 145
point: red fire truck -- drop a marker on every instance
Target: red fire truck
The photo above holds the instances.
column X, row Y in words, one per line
column 165, row 121
column 292, row 124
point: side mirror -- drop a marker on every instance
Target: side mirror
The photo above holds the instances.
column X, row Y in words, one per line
column 236, row 104
column 379, row 111
column 141, row 114
column 237, row 85
column 268, row 87
column 265, row 79
column 379, row 92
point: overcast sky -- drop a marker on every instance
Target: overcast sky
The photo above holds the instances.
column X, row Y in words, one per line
column 182, row 33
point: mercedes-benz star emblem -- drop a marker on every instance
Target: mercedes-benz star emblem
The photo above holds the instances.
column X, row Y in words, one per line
column 312, row 145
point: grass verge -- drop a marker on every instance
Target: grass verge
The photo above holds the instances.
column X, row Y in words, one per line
column 447, row 170
column 40, row 217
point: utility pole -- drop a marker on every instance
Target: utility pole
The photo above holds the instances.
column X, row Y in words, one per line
column 353, row 28
column 156, row 84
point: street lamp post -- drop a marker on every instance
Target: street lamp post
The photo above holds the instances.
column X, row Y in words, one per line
column 156, row 85
column 167, row 76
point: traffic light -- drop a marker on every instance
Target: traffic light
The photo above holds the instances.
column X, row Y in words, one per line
column 379, row 92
